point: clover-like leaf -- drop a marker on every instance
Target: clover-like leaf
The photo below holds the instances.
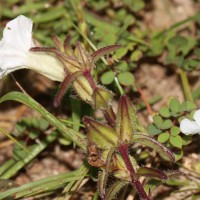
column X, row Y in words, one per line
column 126, row 78
column 163, row 137
column 174, row 105
column 175, row 130
column 157, row 121
column 167, row 124
column 107, row 77
column 152, row 130
column 176, row 141
column 164, row 112
column 187, row 106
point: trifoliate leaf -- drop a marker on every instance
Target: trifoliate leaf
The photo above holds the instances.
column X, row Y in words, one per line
column 152, row 130
column 174, row 105
column 157, row 121
column 164, row 112
column 167, row 124
column 175, row 131
column 163, row 137
column 176, row 141
column 126, row 78
column 107, row 78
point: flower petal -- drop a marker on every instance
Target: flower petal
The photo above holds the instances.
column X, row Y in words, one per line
column 18, row 33
column 15, row 54
column 189, row 127
column 197, row 116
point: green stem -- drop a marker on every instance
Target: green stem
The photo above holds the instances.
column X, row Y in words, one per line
column 186, row 86
column 121, row 91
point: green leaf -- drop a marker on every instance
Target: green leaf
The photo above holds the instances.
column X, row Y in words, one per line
column 178, row 41
column 175, row 131
column 163, row 137
column 164, row 112
column 154, row 144
column 135, row 5
column 107, row 77
column 43, row 185
column 151, row 172
column 126, row 78
column 174, row 105
column 157, row 121
column 152, row 130
column 176, row 141
column 103, row 51
column 136, row 55
column 197, row 52
column 187, row 106
column 114, row 188
column 186, row 139
column 178, row 154
column 103, row 175
column 166, row 124
column 76, row 137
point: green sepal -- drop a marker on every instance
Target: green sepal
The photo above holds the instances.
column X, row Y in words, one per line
column 120, row 170
column 126, row 119
column 101, row 97
column 101, row 135
column 83, row 89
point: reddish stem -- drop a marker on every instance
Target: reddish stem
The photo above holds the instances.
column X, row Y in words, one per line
column 123, row 149
column 149, row 109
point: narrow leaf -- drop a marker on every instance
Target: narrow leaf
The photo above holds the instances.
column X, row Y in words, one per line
column 43, row 49
column 103, row 51
column 71, row 64
column 15, row 141
column 154, row 144
column 82, row 56
column 68, row 80
column 67, row 46
column 103, row 175
column 76, row 137
column 114, row 189
column 58, row 42
column 151, row 172
column 103, row 136
column 41, row 186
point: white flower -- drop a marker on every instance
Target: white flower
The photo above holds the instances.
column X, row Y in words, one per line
column 15, row 54
column 191, row 127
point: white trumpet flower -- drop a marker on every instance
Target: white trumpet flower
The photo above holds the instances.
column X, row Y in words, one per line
column 15, row 54
column 189, row 127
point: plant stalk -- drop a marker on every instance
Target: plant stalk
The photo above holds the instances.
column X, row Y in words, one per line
column 186, row 86
column 123, row 149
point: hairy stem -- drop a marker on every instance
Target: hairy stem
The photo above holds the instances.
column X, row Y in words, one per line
column 123, row 149
column 90, row 79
